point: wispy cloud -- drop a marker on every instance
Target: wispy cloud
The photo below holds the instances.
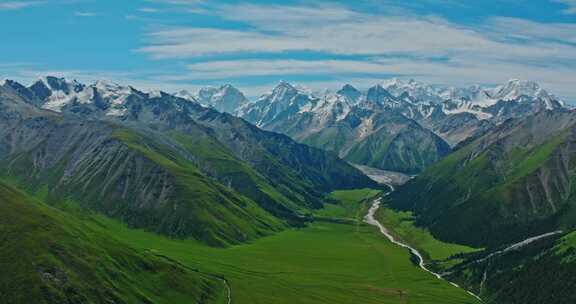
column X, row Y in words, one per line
column 179, row 2
column 377, row 36
column 427, row 47
column 16, row 5
column 86, row 14
column 148, row 10
column 327, row 44
column 274, row 67
column 339, row 30
column 571, row 6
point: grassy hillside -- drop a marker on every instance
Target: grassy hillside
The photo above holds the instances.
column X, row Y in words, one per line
column 542, row 272
column 146, row 181
column 169, row 166
column 225, row 215
column 512, row 183
column 48, row 256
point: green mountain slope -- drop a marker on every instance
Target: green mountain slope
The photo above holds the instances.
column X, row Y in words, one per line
column 169, row 166
column 542, row 272
column 512, row 183
column 52, row 257
column 380, row 139
column 137, row 179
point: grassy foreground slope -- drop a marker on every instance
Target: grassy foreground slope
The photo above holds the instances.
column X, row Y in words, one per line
column 47, row 256
column 326, row 262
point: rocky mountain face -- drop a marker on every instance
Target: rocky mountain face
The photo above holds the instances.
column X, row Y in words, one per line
column 513, row 182
column 344, row 120
column 160, row 162
column 360, row 128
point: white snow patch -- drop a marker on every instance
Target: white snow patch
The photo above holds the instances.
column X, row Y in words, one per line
column 116, row 112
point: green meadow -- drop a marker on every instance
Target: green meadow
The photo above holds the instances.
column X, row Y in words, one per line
column 335, row 259
column 401, row 224
column 326, row 262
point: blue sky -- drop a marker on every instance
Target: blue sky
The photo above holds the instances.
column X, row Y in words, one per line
column 186, row 44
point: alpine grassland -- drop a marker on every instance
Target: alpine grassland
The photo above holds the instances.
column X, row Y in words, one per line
column 329, row 261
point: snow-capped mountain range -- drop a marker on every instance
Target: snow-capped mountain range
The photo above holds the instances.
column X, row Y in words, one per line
column 414, row 99
column 476, row 95
column 56, row 94
column 431, row 106
column 394, row 125
column 454, row 114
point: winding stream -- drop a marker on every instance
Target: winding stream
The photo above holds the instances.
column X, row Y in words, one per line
column 370, row 219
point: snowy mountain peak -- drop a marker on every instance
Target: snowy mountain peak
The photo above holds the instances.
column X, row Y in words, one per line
column 56, row 83
column 284, row 86
column 225, row 98
column 526, row 90
column 155, row 94
column 185, row 94
column 348, row 89
column 351, row 93
column 115, row 93
column 394, row 82
column 50, row 84
column 111, row 87
column 416, row 90
column 516, row 88
column 13, row 84
column 453, row 93
column 378, row 96
column 227, row 87
column 379, row 89
column 205, row 94
column 283, row 92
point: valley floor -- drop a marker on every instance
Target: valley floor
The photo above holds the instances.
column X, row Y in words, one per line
column 331, row 261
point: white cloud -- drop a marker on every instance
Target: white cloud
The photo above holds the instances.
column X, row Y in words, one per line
column 533, row 31
column 16, row 5
column 426, row 47
column 148, row 10
column 337, row 30
column 259, row 67
column 364, row 34
column 85, row 14
column 179, row 2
